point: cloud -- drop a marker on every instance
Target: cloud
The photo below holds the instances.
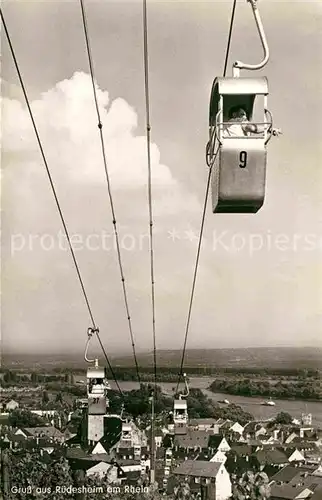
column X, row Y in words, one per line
column 36, row 278
column 67, row 124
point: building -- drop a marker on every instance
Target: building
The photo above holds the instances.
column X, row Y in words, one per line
column 218, row 443
column 211, row 477
column 204, row 424
column 10, row 405
column 52, row 415
column 219, row 456
column 41, row 432
column 306, row 419
column 275, row 458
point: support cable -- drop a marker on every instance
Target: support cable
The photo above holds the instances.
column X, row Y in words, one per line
column 148, row 143
column 56, row 198
column 211, row 164
column 100, row 126
column 148, row 136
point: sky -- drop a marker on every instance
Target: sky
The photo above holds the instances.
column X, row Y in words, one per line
column 259, row 281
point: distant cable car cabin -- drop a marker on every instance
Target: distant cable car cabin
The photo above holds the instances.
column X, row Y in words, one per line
column 238, row 180
column 180, row 416
column 100, row 424
column 96, row 390
column 96, row 395
column 180, row 412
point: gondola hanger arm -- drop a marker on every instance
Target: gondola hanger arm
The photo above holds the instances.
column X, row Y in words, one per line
column 238, row 65
column 90, row 333
column 187, row 388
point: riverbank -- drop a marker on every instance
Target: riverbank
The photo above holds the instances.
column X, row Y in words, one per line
column 252, row 404
column 304, row 389
column 207, row 382
column 230, row 386
column 267, row 396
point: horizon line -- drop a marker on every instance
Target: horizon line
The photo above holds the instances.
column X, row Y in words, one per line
column 127, row 352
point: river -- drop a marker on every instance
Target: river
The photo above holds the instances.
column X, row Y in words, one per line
column 251, row 404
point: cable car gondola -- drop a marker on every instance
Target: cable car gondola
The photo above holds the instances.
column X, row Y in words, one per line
column 180, row 411
column 100, row 424
column 238, row 183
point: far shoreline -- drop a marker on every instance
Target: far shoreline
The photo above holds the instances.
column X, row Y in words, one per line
column 255, row 396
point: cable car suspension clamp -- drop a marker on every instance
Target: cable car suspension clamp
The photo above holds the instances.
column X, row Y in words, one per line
column 90, row 333
column 238, row 65
column 187, row 388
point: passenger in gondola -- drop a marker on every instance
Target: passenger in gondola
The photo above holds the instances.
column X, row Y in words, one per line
column 98, row 386
column 240, row 125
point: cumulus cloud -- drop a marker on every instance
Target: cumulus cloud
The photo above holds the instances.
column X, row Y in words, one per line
column 36, row 278
column 42, row 284
column 67, row 123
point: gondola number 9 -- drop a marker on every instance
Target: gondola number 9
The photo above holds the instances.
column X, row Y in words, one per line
column 243, row 159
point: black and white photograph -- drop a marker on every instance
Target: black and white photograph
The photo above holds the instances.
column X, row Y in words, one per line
column 161, row 250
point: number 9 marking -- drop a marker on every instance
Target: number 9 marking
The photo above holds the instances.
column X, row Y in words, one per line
column 243, row 159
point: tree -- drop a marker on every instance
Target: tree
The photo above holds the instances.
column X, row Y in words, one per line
column 303, row 374
column 24, row 418
column 59, row 398
column 235, row 413
column 67, row 378
column 182, row 492
column 32, row 478
column 59, row 473
column 10, row 377
column 283, row 418
column 252, row 486
column 5, row 473
column 45, row 398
